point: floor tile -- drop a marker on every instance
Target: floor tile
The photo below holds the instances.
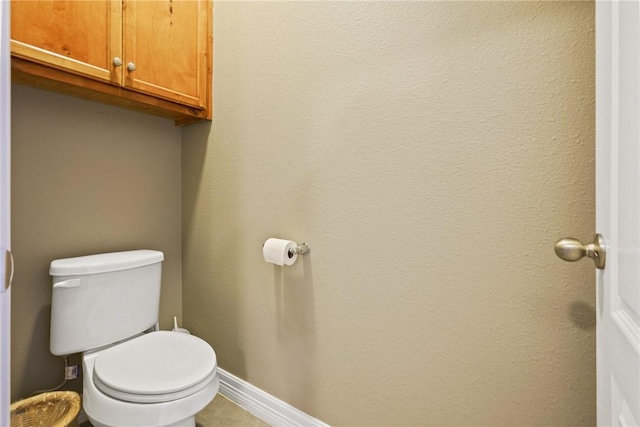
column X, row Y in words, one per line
column 223, row 412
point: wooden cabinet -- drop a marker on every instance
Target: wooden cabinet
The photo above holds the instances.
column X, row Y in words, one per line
column 77, row 36
column 153, row 56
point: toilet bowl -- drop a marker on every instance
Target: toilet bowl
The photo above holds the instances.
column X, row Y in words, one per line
column 102, row 306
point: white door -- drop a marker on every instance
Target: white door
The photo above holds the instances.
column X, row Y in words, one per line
column 618, row 210
column 6, row 266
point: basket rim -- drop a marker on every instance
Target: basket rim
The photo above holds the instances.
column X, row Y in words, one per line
column 70, row 397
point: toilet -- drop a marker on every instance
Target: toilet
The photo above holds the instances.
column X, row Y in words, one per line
column 106, row 307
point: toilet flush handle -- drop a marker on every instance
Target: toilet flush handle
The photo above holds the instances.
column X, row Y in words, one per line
column 71, row 283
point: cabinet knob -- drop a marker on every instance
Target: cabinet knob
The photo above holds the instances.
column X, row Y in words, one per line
column 131, row 66
column 117, row 61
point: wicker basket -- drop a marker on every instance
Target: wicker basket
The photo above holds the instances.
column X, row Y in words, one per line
column 54, row 409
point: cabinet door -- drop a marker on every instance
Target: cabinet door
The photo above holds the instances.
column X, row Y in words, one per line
column 80, row 37
column 166, row 43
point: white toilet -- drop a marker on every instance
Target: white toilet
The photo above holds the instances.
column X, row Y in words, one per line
column 103, row 306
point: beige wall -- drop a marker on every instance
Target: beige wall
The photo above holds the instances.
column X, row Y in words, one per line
column 86, row 178
column 431, row 153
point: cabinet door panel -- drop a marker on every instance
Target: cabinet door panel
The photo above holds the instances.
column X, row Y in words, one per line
column 81, row 37
column 167, row 42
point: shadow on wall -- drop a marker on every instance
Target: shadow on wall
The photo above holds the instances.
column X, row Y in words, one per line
column 210, row 252
column 582, row 315
column 294, row 293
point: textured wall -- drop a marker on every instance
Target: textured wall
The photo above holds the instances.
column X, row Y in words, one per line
column 431, row 153
column 86, row 178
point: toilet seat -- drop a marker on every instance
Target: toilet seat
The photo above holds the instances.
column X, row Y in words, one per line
column 156, row 367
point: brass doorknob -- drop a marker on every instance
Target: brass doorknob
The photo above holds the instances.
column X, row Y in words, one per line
column 573, row 250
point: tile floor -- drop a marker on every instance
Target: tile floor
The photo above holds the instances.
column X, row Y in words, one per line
column 222, row 412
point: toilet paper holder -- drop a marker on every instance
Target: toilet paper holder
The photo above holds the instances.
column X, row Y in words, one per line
column 301, row 249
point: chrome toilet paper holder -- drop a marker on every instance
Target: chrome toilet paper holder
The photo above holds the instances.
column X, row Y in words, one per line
column 301, row 249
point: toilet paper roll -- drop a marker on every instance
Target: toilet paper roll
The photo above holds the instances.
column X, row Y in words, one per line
column 276, row 251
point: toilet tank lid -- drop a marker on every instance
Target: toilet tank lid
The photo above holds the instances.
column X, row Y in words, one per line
column 103, row 263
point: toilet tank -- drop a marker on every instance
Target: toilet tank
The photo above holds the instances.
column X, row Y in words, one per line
column 100, row 299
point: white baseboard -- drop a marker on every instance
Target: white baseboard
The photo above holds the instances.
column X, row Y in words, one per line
column 259, row 403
